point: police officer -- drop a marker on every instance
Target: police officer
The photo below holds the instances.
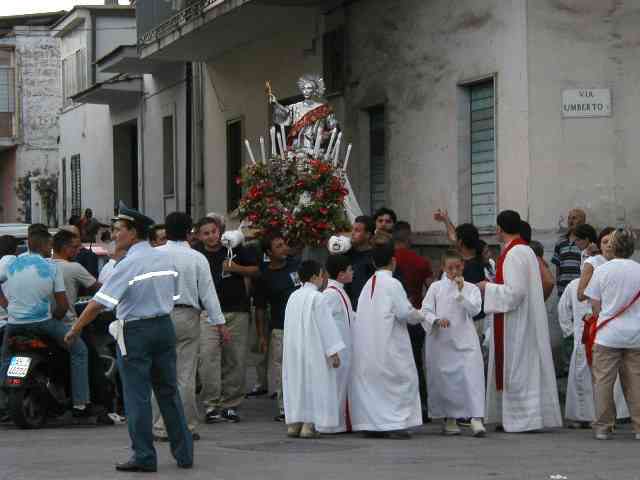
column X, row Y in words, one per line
column 142, row 289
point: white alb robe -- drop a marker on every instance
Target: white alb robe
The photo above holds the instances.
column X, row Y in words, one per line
column 529, row 400
column 384, row 393
column 579, row 406
column 453, row 358
column 309, row 384
column 342, row 313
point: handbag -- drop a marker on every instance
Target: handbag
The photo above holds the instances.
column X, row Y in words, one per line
column 591, row 328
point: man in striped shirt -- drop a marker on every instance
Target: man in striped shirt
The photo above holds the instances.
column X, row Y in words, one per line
column 567, row 255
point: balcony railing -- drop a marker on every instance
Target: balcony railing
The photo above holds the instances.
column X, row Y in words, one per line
column 194, row 10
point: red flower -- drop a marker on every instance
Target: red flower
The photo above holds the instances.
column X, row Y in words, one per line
column 274, row 211
column 307, row 219
column 255, row 193
column 239, row 181
column 253, row 217
column 323, row 210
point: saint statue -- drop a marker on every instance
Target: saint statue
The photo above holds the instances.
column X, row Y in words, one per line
column 307, row 117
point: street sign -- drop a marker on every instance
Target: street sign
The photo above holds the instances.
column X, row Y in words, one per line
column 586, row 102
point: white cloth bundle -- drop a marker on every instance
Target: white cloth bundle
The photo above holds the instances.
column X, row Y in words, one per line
column 339, row 244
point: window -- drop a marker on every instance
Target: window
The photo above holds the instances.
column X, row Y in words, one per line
column 483, row 154
column 76, row 186
column 377, row 163
column 7, row 94
column 64, row 189
column 333, row 60
column 74, row 75
column 168, row 156
column 234, row 163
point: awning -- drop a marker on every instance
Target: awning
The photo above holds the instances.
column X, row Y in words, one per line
column 116, row 92
column 125, row 59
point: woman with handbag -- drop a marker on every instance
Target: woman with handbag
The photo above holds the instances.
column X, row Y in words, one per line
column 614, row 291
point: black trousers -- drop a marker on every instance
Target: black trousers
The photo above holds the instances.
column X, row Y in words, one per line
column 417, row 335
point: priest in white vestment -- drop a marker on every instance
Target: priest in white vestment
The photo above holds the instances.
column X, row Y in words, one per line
column 310, row 356
column 384, row 394
column 340, row 274
column 579, row 408
column 453, row 358
column 521, row 387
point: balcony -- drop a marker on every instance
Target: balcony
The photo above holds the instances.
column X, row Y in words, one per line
column 205, row 29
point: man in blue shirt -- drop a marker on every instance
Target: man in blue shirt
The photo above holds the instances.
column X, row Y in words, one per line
column 143, row 288
column 30, row 282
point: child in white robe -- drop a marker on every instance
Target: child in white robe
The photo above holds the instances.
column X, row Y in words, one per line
column 310, row 356
column 341, row 274
column 453, row 357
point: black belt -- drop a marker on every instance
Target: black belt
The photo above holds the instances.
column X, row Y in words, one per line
column 182, row 305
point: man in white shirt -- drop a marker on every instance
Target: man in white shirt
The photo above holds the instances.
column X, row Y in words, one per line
column 614, row 291
column 65, row 247
column 196, row 288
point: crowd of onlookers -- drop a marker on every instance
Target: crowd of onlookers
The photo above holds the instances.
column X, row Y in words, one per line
column 254, row 280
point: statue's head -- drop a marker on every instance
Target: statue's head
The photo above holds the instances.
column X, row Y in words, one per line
column 311, row 86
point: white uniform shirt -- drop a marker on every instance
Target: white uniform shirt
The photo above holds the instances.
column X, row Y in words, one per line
column 195, row 283
column 615, row 284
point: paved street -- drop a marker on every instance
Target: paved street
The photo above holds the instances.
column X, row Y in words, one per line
column 258, row 449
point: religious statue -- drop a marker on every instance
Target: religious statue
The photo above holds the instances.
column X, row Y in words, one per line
column 306, row 119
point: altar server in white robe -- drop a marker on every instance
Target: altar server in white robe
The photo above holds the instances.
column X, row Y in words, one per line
column 341, row 274
column 521, row 389
column 310, row 357
column 384, row 394
column 453, row 358
column 579, row 408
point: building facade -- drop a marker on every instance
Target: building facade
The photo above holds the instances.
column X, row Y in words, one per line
column 88, row 177
column 459, row 104
column 29, row 104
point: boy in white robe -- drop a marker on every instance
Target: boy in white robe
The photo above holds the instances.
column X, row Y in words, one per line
column 579, row 408
column 384, row 396
column 341, row 274
column 453, row 357
column 310, row 356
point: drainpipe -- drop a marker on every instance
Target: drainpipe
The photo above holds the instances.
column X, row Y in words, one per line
column 189, row 136
column 92, row 71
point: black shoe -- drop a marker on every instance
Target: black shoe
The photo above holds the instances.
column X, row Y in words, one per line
column 464, row 422
column 158, row 438
column 196, row 437
column 230, row 415
column 82, row 413
column 104, row 419
column 185, row 465
column 213, row 416
column 279, row 418
column 132, row 466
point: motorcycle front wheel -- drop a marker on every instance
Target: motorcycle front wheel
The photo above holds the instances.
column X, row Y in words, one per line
column 28, row 407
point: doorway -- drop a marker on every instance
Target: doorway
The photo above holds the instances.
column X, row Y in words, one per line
column 125, row 163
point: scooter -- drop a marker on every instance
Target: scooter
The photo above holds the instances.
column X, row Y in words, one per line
column 38, row 378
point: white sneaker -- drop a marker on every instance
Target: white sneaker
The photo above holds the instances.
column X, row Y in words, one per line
column 477, row 428
column 602, row 436
column 450, row 427
column 637, row 436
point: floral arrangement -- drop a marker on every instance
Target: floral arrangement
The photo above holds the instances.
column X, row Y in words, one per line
column 300, row 196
